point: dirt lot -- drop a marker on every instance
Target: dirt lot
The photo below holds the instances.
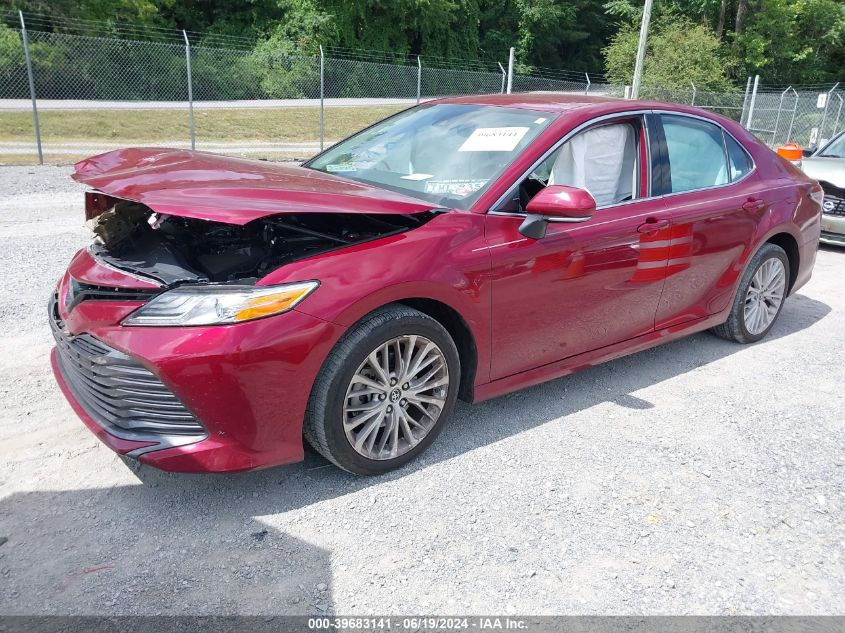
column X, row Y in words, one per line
column 701, row 477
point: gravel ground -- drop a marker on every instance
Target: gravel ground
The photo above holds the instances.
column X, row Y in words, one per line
column 701, row 477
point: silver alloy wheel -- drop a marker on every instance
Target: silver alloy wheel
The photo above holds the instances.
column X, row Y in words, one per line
column 395, row 397
column 765, row 294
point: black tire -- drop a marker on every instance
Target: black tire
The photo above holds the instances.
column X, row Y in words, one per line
column 323, row 425
column 734, row 329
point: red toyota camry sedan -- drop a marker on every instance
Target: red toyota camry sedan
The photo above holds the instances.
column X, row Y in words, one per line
column 465, row 248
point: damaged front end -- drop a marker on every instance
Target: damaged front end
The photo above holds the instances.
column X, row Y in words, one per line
column 192, row 239
column 172, row 250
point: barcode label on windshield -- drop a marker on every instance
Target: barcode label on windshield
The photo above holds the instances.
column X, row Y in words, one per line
column 493, row 139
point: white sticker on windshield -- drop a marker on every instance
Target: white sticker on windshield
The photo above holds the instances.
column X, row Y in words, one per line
column 416, row 177
column 454, row 187
column 493, row 139
column 341, row 168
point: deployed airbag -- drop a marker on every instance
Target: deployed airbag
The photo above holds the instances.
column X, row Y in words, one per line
column 600, row 160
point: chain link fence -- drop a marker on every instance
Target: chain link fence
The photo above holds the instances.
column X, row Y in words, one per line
column 805, row 116
column 98, row 93
column 14, row 85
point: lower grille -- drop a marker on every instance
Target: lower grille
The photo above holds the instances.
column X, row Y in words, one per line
column 122, row 395
column 833, row 205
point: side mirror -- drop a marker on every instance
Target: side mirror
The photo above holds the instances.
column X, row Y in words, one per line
column 807, row 152
column 556, row 203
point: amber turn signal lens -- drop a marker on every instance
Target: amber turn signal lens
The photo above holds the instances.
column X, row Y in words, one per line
column 271, row 304
column 791, row 151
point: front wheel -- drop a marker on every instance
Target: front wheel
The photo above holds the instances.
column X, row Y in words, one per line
column 759, row 298
column 385, row 392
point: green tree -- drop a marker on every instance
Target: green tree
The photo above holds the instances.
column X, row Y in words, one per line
column 304, row 26
column 434, row 28
column 793, row 41
column 563, row 34
column 141, row 12
column 282, row 65
column 679, row 52
column 785, row 41
column 12, row 65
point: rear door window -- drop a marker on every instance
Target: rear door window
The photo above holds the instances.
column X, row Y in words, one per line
column 697, row 157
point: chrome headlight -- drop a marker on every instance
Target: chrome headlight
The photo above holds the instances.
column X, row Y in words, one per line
column 218, row 305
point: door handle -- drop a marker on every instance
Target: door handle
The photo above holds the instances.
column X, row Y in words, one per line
column 752, row 205
column 652, row 226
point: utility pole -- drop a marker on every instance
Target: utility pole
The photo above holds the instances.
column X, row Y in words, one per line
column 419, row 78
column 510, row 69
column 750, row 118
column 322, row 97
column 190, row 91
column 638, row 69
column 31, row 79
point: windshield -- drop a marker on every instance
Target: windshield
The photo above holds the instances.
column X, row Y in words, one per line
column 447, row 154
column 836, row 149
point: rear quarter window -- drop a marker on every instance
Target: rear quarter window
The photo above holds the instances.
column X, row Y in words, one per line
column 738, row 159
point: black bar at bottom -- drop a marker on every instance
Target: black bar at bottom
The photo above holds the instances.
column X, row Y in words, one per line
column 529, row 624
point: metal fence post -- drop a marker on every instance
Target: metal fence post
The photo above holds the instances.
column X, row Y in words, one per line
column 31, row 89
column 504, row 76
column 419, row 78
column 838, row 112
column 510, row 70
column 777, row 118
column 322, row 97
column 190, row 91
column 824, row 116
column 694, row 92
column 751, row 106
column 794, row 110
column 589, row 83
column 745, row 101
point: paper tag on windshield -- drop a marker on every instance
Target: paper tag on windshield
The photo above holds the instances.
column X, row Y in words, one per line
column 493, row 139
column 341, row 168
column 454, row 187
column 418, row 176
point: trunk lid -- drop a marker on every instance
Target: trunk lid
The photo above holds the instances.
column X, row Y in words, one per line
column 232, row 190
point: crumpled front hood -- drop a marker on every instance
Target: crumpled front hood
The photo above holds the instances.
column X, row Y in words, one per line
column 825, row 169
column 233, row 190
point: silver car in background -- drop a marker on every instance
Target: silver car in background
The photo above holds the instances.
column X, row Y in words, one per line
column 827, row 165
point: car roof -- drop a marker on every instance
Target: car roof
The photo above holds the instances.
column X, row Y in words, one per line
column 564, row 104
column 545, row 101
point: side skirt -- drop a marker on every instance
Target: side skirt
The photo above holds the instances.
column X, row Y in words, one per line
column 573, row 364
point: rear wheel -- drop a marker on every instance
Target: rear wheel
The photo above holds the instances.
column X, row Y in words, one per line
column 385, row 391
column 759, row 298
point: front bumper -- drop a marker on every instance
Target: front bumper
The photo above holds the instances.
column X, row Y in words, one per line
column 245, row 385
column 126, row 399
column 833, row 229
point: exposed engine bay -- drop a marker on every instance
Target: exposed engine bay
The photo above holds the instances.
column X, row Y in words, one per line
column 175, row 250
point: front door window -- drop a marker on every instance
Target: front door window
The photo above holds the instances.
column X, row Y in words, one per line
column 602, row 160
